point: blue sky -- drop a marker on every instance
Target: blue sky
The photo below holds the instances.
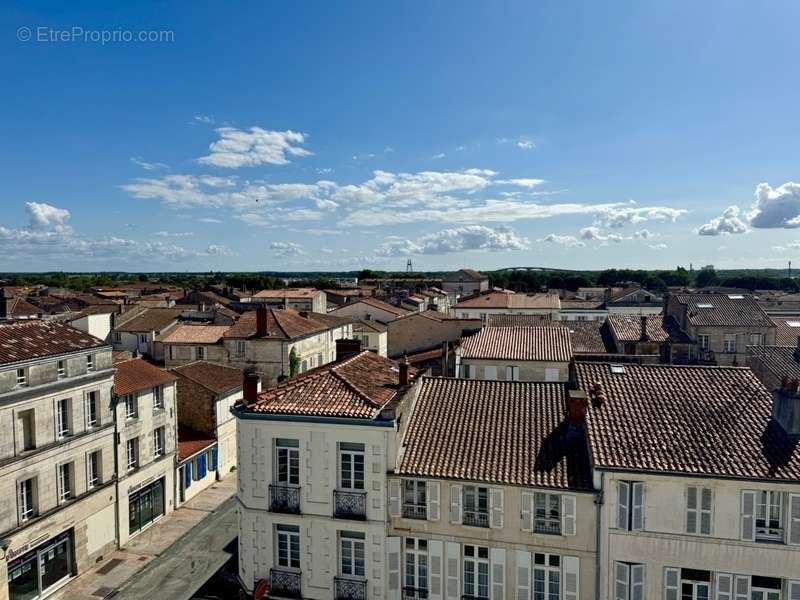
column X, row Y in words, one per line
column 344, row 135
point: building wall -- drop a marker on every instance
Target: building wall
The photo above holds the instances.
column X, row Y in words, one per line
column 176, row 355
column 415, row 333
column 226, row 431
column 196, row 405
column 481, row 313
column 363, row 311
column 635, row 310
column 183, row 493
column 716, row 342
column 528, row 370
column 373, row 340
column 582, row 315
column 132, row 341
column 98, row 325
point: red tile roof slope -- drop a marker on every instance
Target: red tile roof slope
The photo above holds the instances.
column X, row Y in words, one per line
column 628, row 328
column 138, row 374
column 191, row 441
column 288, row 293
column 712, row 421
column 512, row 301
column 519, row 343
column 722, row 310
column 195, row 334
column 505, row 432
column 215, row 377
column 28, row 340
column 780, row 360
column 284, row 324
column 787, row 330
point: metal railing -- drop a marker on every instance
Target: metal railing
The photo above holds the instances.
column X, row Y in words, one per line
column 350, row 505
column 415, row 511
column 284, row 498
column 548, row 526
column 349, row 589
column 284, row 584
column 410, row 593
column 476, row 518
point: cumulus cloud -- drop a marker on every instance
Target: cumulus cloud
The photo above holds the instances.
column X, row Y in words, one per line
column 594, row 233
column 148, row 166
column 286, row 249
column 621, row 215
column 238, row 148
column 205, row 119
column 219, row 250
column 657, row 246
column 47, row 216
column 726, row 224
column 569, row 241
column 459, row 239
column 776, row 207
column 524, row 183
column 438, row 156
column 173, row 234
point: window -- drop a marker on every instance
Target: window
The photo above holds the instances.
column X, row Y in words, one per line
column 766, row 588
column 490, row 372
column 287, row 461
column 27, row 508
column 729, row 344
column 512, row 373
column 145, row 506
column 133, row 454
column 769, row 516
column 62, row 369
column 628, row 581
column 90, row 362
column 64, row 482
column 93, row 469
column 319, row 359
column 304, row 366
column 131, row 411
column 240, row 348
column 62, row 418
column 476, row 506
column 551, row 374
column 158, row 398
column 92, row 410
column 756, row 339
column 547, row 513
column 687, row 584
column 158, row 441
column 476, row 571
column 200, row 353
column 416, row 565
column 702, row 341
column 351, row 554
column 22, row 380
column 117, row 337
column 143, row 338
column 414, row 499
column 288, row 541
column 698, row 510
column 630, row 505
column 351, row 466
column 27, row 427
column 546, row 576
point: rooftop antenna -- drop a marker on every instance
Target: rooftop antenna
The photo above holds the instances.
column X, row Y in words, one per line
column 409, row 267
column 790, row 269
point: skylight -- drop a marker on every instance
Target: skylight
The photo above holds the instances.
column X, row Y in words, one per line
column 735, row 296
column 705, row 306
column 618, row 369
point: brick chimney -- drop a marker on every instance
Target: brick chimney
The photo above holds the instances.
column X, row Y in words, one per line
column 250, row 385
column 347, row 348
column 6, row 303
column 577, row 403
column 404, row 371
column 643, row 337
column 261, row 321
column 786, row 406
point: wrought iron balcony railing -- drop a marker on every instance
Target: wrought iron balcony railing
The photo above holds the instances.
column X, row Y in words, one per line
column 410, row 593
column 345, row 588
column 548, row 526
column 284, row 584
column 284, row 498
column 415, row 511
column 476, row 518
column 350, row 505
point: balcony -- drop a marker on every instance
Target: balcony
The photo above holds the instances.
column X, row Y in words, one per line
column 284, row 498
column 349, row 589
column 770, row 535
column 547, row 526
column 284, row 584
column 410, row 593
column 476, row 518
column 415, row 511
column 350, row 505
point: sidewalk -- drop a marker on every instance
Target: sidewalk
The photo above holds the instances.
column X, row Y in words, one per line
column 121, row 566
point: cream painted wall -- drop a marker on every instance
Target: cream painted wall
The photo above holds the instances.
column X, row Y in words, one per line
column 528, row 370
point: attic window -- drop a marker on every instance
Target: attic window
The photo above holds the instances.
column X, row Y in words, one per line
column 618, row 369
column 705, row 306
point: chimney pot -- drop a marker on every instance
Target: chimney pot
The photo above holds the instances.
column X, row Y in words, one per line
column 250, row 385
column 404, row 371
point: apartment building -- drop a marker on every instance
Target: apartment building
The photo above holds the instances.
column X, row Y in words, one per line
column 313, row 456
column 299, row 299
column 634, row 301
column 372, row 335
column 699, row 483
column 464, row 282
column 516, row 354
column 146, row 431
column 139, row 333
column 418, row 332
column 56, row 456
column 497, row 303
column 657, row 336
column 371, row 308
column 185, row 344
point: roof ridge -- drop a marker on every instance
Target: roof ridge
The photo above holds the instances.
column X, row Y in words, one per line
column 334, row 371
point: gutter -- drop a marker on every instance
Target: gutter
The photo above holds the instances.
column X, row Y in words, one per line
column 598, row 502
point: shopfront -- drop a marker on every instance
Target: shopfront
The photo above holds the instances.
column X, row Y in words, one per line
column 145, row 505
column 42, row 569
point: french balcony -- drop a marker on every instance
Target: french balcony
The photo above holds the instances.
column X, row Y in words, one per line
column 547, row 526
column 284, row 584
column 349, row 589
column 410, row 593
column 476, row 518
column 284, row 498
column 350, row 505
column 415, row 511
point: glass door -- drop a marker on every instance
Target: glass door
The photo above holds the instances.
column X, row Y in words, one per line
column 55, row 563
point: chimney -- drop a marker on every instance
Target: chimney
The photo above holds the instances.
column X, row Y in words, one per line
column 577, row 403
column 597, row 394
column 786, row 407
column 347, row 348
column 797, row 350
column 643, row 337
column 250, row 385
column 304, row 314
column 261, row 321
column 6, row 303
column 404, row 374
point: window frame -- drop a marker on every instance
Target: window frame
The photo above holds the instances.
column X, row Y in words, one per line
column 547, row 570
column 94, row 475
column 477, row 558
column 21, row 377
column 26, row 502
column 64, row 481
column 290, row 536
column 158, row 397
column 702, row 341
column 287, row 450
column 132, row 454
column 131, row 406
column 355, row 543
column 61, row 369
column 549, row 498
column 350, row 450
column 417, row 490
column 729, row 343
column 765, row 536
column 698, row 511
column 416, row 571
column 92, row 407
column 63, row 425
column 89, row 363
column 158, row 442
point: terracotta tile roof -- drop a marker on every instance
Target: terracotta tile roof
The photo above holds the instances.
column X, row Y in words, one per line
column 587, row 337
column 505, row 432
column 288, row 293
column 380, row 304
column 369, row 326
column 22, row 308
column 191, row 441
column 550, row 344
column 618, row 295
column 469, row 273
column 27, row 340
column 357, row 387
column 138, row 374
column 151, row 319
column 787, row 330
column 215, row 377
column 194, row 334
column 682, row 419
column 425, row 355
column 628, row 328
column 512, row 301
column 723, row 310
column 575, row 304
column 779, row 360
column 506, row 320
column 284, row 324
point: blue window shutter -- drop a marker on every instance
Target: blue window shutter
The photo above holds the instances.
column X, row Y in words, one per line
column 187, row 472
column 214, row 458
column 201, row 466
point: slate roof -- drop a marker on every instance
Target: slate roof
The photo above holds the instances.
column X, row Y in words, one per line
column 787, row 330
column 195, row 334
column 28, row 340
column 511, row 301
column 693, row 420
column 550, row 344
column 151, row 319
column 212, row 376
column 780, row 360
column 618, row 296
column 284, row 324
column 504, row 432
column 723, row 310
column 576, row 304
column 357, row 387
column 138, row 374
column 628, row 328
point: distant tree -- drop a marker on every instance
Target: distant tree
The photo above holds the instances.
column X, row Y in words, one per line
column 706, row 276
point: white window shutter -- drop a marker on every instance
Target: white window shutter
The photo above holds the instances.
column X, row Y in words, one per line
column 623, row 494
column 568, row 515
column 523, row 575
column 393, row 566
column 637, row 506
column 433, row 490
column 455, row 503
column 435, row 560
column 621, row 581
column 497, row 563
column 496, row 507
column 526, row 498
column 794, row 519
column 394, row 497
column 724, row 586
column 707, row 511
column 672, row 583
column 637, row 582
column 571, row 567
column 742, row 587
column 691, row 509
column 453, row 571
column 748, row 520
column 490, row 372
column 794, row 590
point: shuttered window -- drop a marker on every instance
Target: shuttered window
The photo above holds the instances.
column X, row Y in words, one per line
column 698, row 510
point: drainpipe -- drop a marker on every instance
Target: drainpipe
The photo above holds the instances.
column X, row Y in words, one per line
column 598, row 502
column 114, row 401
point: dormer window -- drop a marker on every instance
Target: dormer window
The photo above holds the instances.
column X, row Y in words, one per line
column 22, row 379
column 62, row 369
column 90, row 363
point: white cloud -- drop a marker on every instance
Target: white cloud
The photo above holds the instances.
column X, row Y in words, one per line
column 210, row 220
column 204, row 119
column 525, row 144
column 643, row 234
column 657, row 246
column 563, row 240
column 776, row 207
column 173, row 234
column 238, row 148
column 219, row 250
column 523, row 183
column 148, row 166
column 286, row 249
column 323, row 204
column 726, row 224
column 302, row 214
column 594, row 233
column 438, row 156
column 388, row 150
column 460, row 239
column 324, row 171
column 47, row 216
column 620, row 215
